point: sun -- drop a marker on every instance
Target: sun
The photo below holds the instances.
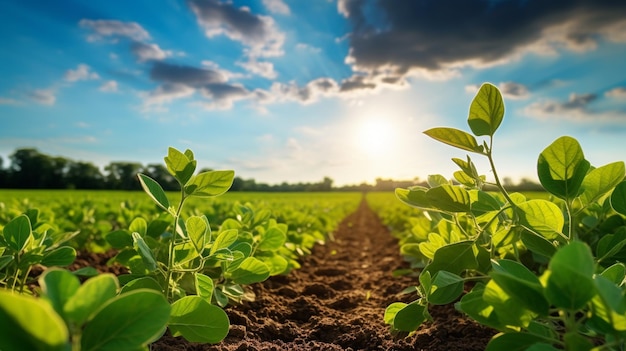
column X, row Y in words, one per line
column 374, row 137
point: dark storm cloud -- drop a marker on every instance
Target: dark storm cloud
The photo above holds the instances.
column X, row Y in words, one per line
column 258, row 33
column 186, row 75
column 356, row 83
column 578, row 108
column 398, row 36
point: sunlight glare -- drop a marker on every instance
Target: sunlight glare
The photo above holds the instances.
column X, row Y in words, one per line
column 375, row 137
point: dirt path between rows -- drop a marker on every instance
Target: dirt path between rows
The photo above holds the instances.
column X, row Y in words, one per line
column 336, row 301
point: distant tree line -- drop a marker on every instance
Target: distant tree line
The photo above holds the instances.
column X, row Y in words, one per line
column 30, row 169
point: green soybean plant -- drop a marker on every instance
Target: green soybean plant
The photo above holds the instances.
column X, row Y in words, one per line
column 175, row 254
column 96, row 315
column 26, row 242
column 547, row 273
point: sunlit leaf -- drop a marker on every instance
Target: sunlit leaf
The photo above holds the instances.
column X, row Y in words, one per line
column 486, row 111
column 456, row 138
column 562, row 167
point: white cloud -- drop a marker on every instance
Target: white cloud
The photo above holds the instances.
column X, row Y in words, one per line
column 618, row 93
column 166, row 93
column 277, row 6
column 8, row 101
column 257, row 32
column 114, row 28
column 509, row 90
column 263, row 69
column 82, row 72
column 148, row 52
column 43, row 96
column 109, row 87
column 575, row 109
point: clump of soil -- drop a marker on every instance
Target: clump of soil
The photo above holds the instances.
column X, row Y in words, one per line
column 336, row 301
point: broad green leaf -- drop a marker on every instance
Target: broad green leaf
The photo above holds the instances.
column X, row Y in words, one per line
column 570, row 283
column 58, row 286
column 119, row 239
column 61, row 256
column 180, row 165
column 615, row 273
column 600, row 181
column 474, row 305
column 449, row 198
column 607, row 306
column 577, row 342
column 27, row 323
column 138, row 225
column 17, row 233
column 464, row 178
column 141, row 283
column 199, row 231
column 456, row 138
column 519, row 282
column 610, row 245
column 414, row 197
column 211, row 183
column 88, row 299
column 197, row 320
column 392, row 310
column 276, row 263
column 272, row 240
column 144, row 251
column 5, row 260
column 251, row 270
column 542, row 217
column 445, row 288
column 618, row 198
column 486, row 111
column 538, row 244
column 508, row 309
column 154, row 190
column 454, row 258
column 204, row 286
column 409, row 317
column 224, row 239
column 519, row 341
column 184, row 253
column 127, row 322
column 428, row 248
column 562, row 168
column 435, row 180
column 158, row 226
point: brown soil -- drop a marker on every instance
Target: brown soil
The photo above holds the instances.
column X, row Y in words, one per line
column 336, row 301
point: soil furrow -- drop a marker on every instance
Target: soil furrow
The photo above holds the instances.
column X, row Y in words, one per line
column 336, row 301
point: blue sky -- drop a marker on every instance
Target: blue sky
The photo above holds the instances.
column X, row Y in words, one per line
column 294, row 90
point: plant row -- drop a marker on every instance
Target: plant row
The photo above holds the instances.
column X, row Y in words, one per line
column 547, row 273
column 182, row 267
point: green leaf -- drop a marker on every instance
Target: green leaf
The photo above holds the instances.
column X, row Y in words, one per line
column 58, row 286
column 618, row 198
column 5, row 260
column 138, row 225
column 456, row 138
column 392, row 310
column 486, row 111
column 199, row 231
column 409, row 317
column 251, row 270
column 507, row 309
column 17, row 233
column 144, row 251
column 562, row 168
column 272, row 240
column 27, row 323
column 435, row 180
column 211, row 183
column 127, row 322
column 414, row 197
column 519, row 341
column 474, row 305
column 61, row 256
column 570, row 282
column 449, row 198
column 538, row 244
column 204, row 286
column 224, row 240
column 454, row 258
column 180, row 165
column 542, row 217
column 197, row 320
column 445, row 288
column 600, row 181
column 519, row 282
column 154, row 190
column 88, row 299
column 119, row 239
column 141, row 283
column 615, row 273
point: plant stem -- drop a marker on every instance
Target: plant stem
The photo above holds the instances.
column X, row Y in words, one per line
column 170, row 258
